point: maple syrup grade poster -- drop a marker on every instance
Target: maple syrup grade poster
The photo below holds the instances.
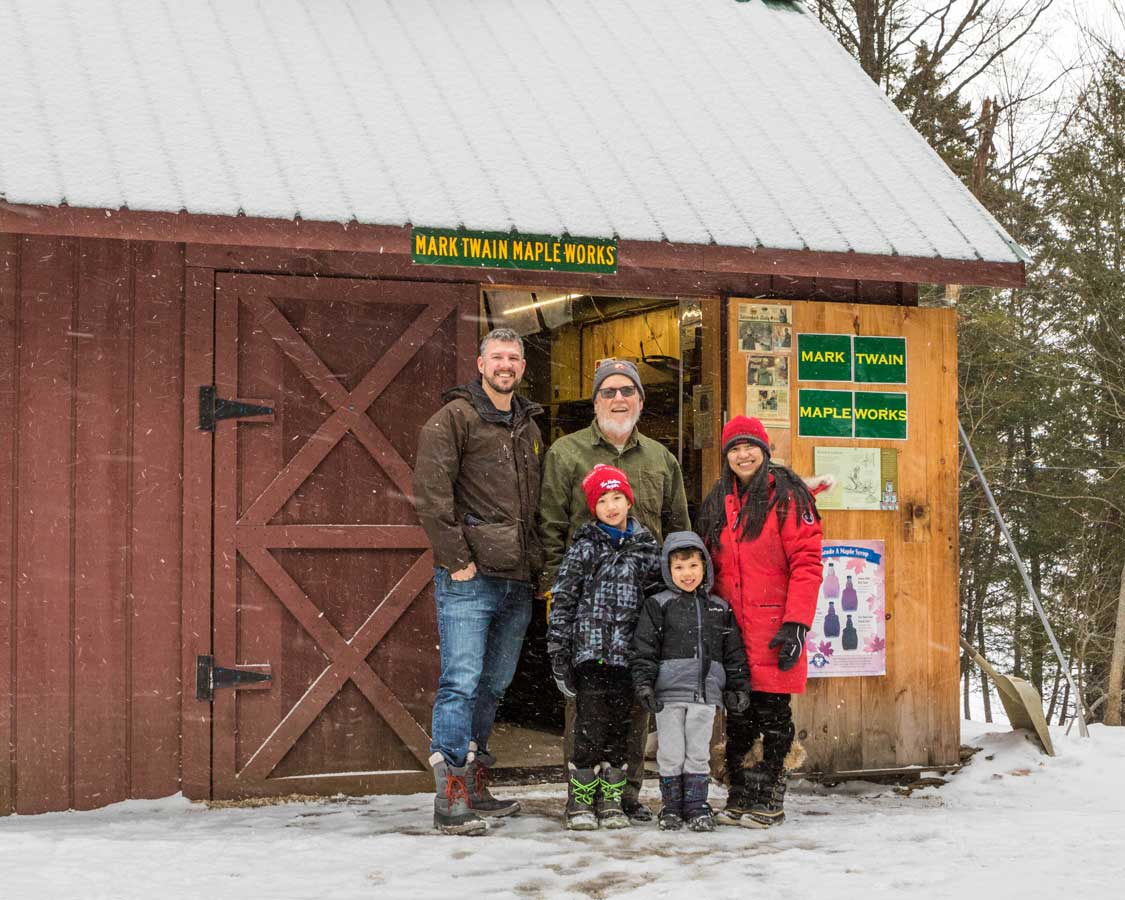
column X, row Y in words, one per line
column 848, row 635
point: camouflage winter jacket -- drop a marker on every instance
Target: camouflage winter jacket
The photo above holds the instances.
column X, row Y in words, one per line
column 598, row 594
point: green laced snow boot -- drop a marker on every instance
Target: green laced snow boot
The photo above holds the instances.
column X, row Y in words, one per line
column 611, row 785
column 582, row 790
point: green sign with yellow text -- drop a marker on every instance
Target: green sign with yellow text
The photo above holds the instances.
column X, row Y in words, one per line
column 824, row 357
column 873, row 415
column 880, row 360
column 510, row 250
column 824, row 413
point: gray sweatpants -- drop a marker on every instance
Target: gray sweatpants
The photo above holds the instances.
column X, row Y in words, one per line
column 684, row 734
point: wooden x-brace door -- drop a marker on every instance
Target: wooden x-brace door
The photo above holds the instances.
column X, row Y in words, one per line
column 322, row 573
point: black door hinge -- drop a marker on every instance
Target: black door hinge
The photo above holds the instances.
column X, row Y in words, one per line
column 212, row 408
column 209, row 677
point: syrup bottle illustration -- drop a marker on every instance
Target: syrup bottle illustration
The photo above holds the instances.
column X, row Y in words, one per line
column 850, row 640
column 831, row 621
column 850, row 600
column 831, row 583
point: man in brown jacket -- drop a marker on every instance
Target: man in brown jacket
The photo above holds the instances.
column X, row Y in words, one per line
column 476, row 483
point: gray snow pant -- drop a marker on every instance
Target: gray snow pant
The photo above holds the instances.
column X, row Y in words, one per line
column 684, row 739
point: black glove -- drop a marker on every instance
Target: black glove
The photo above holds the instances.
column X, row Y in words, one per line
column 564, row 676
column 790, row 638
column 736, row 701
column 646, row 696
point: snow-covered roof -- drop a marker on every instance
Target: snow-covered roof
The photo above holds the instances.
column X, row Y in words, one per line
column 693, row 121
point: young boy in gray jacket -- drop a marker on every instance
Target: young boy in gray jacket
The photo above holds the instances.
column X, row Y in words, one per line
column 688, row 660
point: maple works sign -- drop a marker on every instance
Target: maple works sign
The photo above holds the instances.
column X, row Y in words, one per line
column 511, row 250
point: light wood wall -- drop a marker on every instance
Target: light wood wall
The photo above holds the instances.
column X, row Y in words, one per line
column 910, row 715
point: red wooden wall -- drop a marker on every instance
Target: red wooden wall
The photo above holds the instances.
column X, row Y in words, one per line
column 91, row 344
column 91, row 494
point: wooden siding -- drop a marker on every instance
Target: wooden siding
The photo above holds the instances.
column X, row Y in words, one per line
column 90, row 484
column 910, row 715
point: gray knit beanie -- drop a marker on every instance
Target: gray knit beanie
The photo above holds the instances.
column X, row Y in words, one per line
column 617, row 367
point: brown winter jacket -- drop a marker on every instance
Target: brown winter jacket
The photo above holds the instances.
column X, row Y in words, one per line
column 476, row 484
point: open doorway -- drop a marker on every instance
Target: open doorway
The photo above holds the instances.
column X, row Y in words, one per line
column 675, row 344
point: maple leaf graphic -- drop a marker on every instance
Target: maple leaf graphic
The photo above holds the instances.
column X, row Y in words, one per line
column 874, row 644
column 856, row 564
column 825, row 648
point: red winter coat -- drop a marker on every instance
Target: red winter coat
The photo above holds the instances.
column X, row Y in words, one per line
column 772, row 579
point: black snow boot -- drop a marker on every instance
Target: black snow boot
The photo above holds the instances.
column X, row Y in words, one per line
column 697, row 813
column 480, row 797
column 633, row 808
column 741, row 796
column 769, row 807
column 672, row 794
column 611, row 784
column 452, row 813
column 582, row 791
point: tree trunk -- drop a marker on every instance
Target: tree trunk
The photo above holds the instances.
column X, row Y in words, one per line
column 1065, row 703
column 1054, row 693
column 1117, row 662
column 983, row 677
column 968, row 709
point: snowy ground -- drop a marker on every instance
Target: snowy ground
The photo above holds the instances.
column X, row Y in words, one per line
column 1012, row 823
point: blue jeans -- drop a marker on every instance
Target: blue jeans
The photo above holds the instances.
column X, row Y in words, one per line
column 481, row 625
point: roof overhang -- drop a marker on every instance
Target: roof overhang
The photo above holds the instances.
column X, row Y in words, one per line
column 191, row 228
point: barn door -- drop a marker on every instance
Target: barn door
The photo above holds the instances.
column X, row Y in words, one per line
column 322, row 574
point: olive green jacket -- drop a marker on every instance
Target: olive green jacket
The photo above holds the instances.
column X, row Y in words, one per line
column 653, row 472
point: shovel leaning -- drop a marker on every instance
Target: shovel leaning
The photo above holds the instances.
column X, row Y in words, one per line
column 1022, row 703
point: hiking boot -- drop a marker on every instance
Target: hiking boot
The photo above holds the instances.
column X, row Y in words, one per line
column 452, row 813
column 741, row 796
column 480, row 798
column 769, row 808
column 582, row 790
column 697, row 814
column 611, row 785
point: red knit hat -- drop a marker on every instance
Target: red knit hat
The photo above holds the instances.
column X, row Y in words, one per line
column 744, row 428
column 601, row 480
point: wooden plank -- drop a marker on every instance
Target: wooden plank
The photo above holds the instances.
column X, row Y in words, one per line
column 44, row 527
column 395, row 240
column 102, row 466
column 157, row 517
column 942, row 453
column 195, row 629
column 9, row 406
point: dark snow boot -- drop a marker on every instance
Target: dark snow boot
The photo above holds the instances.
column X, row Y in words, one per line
column 452, row 813
column 769, row 807
column 611, row 785
column 672, row 794
column 480, row 797
column 632, row 806
column 740, row 797
column 697, row 814
column 582, row 791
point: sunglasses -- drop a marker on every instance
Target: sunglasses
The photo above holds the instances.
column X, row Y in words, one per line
column 610, row 393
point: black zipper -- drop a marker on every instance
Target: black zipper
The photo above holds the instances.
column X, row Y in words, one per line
column 701, row 694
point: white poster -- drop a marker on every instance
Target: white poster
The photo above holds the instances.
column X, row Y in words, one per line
column 848, row 635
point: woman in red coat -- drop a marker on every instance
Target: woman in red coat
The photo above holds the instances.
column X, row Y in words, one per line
column 762, row 529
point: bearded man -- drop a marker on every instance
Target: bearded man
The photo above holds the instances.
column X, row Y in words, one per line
column 476, row 485
column 660, row 505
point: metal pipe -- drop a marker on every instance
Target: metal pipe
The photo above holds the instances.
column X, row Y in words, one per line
column 1082, row 729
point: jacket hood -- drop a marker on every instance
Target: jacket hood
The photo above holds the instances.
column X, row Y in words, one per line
column 683, row 540
column 473, row 391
